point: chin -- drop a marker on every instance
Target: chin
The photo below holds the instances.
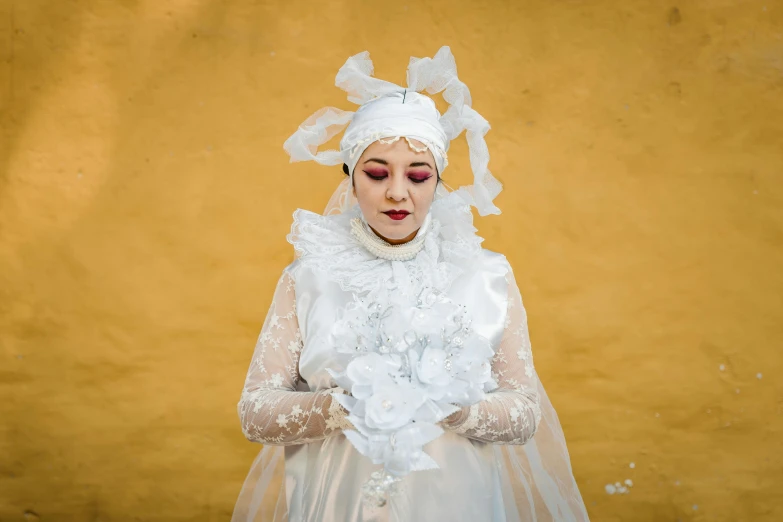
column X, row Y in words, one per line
column 395, row 232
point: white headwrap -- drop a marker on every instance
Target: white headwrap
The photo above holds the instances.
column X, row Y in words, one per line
column 392, row 112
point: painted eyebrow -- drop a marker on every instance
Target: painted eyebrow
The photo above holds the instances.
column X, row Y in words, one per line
column 384, row 162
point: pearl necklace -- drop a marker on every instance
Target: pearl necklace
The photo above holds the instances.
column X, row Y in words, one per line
column 384, row 250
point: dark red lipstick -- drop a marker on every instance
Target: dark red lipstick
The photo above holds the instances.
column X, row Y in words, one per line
column 397, row 215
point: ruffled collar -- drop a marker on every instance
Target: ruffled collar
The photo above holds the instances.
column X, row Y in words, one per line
column 326, row 244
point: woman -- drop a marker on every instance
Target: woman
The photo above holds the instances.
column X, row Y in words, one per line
column 393, row 378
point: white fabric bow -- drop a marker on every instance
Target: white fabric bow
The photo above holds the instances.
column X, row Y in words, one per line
column 415, row 118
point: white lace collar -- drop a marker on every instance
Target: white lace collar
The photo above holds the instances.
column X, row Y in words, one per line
column 447, row 248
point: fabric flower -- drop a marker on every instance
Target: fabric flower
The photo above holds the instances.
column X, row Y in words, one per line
column 433, row 367
column 366, row 370
column 392, row 405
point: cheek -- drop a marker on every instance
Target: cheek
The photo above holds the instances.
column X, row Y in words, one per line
column 423, row 197
column 368, row 194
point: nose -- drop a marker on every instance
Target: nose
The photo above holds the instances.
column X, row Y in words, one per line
column 397, row 190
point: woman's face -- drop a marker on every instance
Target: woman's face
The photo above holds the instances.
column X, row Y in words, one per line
column 395, row 186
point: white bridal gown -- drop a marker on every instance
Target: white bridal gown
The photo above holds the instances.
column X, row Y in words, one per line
column 504, row 461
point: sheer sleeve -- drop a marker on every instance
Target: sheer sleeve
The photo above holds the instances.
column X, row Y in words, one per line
column 270, row 409
column 511, row 413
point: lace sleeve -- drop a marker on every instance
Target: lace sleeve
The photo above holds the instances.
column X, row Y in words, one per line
column 511, row 413
column 270, row 409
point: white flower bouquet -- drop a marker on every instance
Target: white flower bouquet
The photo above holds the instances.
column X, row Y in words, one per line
column 407, row 366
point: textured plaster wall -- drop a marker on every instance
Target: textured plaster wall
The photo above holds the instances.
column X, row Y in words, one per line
column 145, row 198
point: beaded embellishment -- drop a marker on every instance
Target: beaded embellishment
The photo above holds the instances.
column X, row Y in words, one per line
column 383, row 249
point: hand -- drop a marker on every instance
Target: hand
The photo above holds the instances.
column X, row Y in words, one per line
column 456, row 418
column 337, row 412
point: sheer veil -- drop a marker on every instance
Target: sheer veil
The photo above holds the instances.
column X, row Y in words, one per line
column 342, row 199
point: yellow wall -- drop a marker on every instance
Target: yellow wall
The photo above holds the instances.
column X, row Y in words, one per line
column 145, row 196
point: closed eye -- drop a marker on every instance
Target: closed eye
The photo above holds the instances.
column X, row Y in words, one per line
column 419, row 177
column 377, row 175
